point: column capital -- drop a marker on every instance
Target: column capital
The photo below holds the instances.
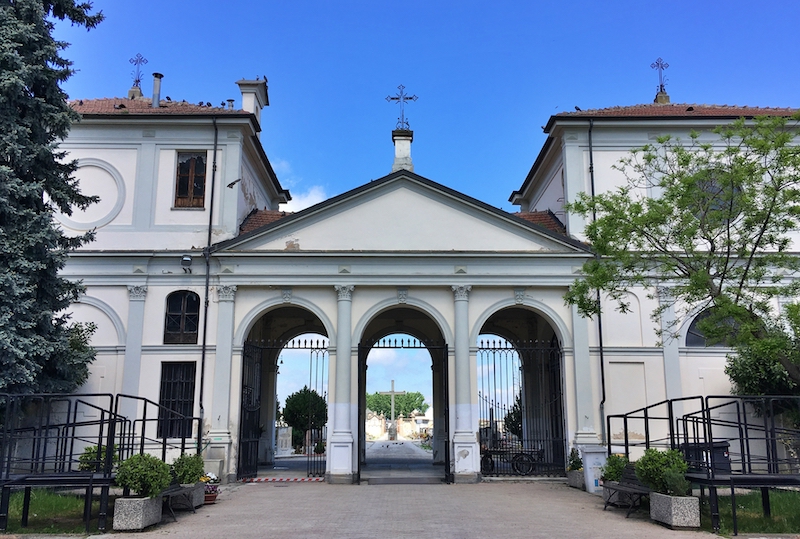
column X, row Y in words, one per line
column 226, row 292
column 345, row 292
column 461, row 292
column 137, row 292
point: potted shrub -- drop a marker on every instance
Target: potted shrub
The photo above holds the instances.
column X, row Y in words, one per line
column 147, row 476
column 611, row 473
column 188, row 469
column 94, row 460
column 575, row 477
column 670, row 502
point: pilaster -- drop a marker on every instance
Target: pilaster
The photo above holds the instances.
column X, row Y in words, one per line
column 586, row 430
column 340, row 451
column 670, row 345
column 132, row 368
column 466, row 456
column 220, row 434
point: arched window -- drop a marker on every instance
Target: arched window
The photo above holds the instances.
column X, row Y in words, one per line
column 182, row 318
column 695, row 338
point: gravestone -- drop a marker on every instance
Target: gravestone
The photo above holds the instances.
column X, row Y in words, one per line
column 284, row 441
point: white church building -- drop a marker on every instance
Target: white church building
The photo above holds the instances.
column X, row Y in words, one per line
column 196, row 280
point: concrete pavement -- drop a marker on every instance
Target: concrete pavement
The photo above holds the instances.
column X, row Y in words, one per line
column 537, row 509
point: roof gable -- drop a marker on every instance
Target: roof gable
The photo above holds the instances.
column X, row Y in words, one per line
column 404, row 212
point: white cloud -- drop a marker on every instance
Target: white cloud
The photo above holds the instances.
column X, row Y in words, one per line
column 300, row 201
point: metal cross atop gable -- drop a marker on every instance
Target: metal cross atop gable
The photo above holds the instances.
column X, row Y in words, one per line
column 401, row 98
column 661, row 65
column 138, row 61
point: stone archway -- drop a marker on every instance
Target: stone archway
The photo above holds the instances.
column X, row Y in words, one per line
column 520, row 385
column 408, row 328
column 283, row 328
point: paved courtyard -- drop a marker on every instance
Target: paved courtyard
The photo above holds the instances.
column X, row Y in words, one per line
column 486, row 510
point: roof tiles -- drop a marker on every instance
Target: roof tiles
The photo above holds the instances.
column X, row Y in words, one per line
column 121, row 106
column 681, row 110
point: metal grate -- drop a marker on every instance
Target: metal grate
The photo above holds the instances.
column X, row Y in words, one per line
column 177, row 394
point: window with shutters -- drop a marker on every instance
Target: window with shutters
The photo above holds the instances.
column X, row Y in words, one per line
column 190, row 189
column 177, row 399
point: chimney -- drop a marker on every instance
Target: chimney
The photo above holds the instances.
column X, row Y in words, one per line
column 230, row 104
column 254, row 96
column 157, row 89
column 402, row 139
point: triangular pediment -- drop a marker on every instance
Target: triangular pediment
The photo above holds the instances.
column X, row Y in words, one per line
column 402, row 212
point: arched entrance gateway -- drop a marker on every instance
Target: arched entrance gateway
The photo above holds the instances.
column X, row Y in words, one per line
column 290, row 334
column 406, row 329
column 520, row 394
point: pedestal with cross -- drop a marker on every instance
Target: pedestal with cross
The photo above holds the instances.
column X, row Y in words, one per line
column 393, row 424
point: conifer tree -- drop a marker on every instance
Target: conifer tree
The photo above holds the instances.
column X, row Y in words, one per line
column 40, row 350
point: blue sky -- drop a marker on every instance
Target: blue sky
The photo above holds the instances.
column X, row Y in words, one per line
column 487, row 75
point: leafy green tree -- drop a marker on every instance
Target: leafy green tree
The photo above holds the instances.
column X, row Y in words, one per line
column 403, row 404
column 304, row 410
column 39, row 350
column 513, row 419
column 714, row 233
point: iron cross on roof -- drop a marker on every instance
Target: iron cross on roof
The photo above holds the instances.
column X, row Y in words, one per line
column 138, row 61
column 661, row 65
column 401, row 98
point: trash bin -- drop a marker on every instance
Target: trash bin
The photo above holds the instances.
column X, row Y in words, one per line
column 696, row 455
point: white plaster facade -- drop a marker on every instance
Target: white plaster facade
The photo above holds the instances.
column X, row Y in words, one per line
column 398, row 247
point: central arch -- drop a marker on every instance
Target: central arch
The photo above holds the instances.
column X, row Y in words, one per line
column 407, row 327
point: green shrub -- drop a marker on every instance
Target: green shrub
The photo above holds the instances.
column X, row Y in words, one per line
column 575, row 462
column 188, row 468
column 612, row 470
column 675, row 482
column 144, row 474
column 90, row 460
column 654, row 465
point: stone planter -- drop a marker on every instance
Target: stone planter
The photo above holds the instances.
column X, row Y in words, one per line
column 197, row 495
column 575, row 479
column 136, row 513
column 675, row 512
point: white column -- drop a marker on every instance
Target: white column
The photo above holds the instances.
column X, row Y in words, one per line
column 466, row 456
column 220, row 433
column 671, row 345
column 340, row 463
column 586, row 431
column 132, row 368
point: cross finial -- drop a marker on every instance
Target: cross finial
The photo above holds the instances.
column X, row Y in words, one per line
column 661, row 65
column 401, row 98
column 138, row 61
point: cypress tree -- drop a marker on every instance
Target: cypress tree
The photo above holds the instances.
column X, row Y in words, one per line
column 40, row 350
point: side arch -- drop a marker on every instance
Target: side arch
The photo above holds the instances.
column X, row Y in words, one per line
column 423, row 306
column 109, row 311
column 262, row 308
column 548, row 313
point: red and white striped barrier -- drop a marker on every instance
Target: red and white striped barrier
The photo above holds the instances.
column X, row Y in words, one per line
column 284, row 480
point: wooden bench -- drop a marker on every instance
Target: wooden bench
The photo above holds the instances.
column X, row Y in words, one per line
column 630, row 486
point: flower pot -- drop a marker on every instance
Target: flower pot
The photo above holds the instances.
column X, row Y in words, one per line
column 575, row 479
column 136, row 513
column 675, row 512
column 210, row 498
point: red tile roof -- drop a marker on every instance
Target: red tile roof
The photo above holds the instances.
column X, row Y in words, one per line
column 546, row 219
column 680, row 110
column 120, row 105
column 260, row 218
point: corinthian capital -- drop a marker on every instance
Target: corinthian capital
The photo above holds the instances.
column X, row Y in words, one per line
column 137, row 292
column 461, row 292
column 345, row 292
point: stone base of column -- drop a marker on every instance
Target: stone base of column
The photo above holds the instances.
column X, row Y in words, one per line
column 466, row 457
column 219, row 448
column 586, row 437
column 340, row 479
column 340, row 456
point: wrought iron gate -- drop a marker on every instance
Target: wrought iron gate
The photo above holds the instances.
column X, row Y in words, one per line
column 260, row 355
column 437, row 351
column 521, row 408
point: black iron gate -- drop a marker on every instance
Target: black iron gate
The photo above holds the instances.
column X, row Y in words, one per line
column 258, row 356
column 437, row 351
column 250, row 418
column 521, row 408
